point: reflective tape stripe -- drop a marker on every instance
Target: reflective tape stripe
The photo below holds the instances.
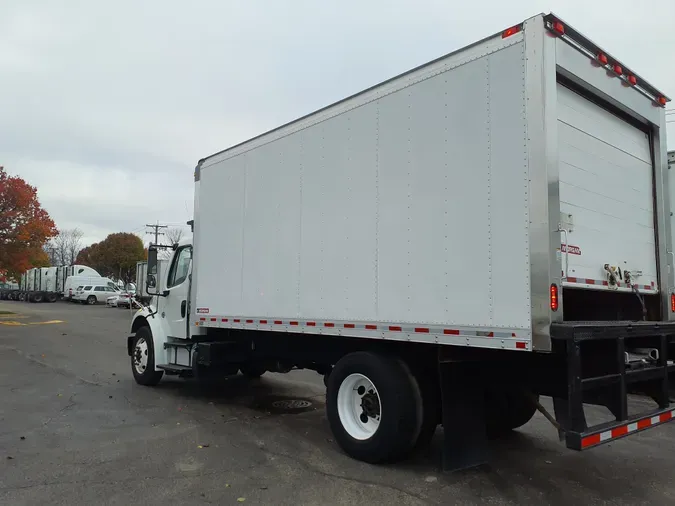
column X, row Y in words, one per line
column 623, row 430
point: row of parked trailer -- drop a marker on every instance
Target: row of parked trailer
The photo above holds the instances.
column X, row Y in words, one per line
column 49, row 284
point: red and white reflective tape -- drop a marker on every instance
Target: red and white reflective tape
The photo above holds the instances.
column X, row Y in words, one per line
column 624, row 430
column 604, row 282
column 517, row 339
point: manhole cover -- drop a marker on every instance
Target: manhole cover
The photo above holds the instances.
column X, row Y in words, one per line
column 291, row 404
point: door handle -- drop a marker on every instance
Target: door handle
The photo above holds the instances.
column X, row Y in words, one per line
column 183, row 307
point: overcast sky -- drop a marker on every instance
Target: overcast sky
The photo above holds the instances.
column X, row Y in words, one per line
column 107, row 109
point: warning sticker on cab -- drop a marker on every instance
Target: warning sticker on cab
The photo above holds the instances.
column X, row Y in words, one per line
column 572, row 250
column 203, row 310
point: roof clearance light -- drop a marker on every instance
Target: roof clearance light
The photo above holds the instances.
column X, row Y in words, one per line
column 617, row 69
column 661, row 101
column 672, row 302
column 554, row 297
column 558, row 28
column 511, row 31
column 602, row 58
column 632, row 80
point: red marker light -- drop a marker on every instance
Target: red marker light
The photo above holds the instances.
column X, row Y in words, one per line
column 511, row 31
column 617, row 69
column 602, row 58
column 558, row 28
column 632, row 80
column 554, row 297
column 672, row 302
column 661, row 101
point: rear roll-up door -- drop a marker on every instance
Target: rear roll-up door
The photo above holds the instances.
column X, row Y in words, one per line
column 606, row 185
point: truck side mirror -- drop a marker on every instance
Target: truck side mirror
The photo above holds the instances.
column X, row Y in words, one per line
column 152, row 259
column 151, row 277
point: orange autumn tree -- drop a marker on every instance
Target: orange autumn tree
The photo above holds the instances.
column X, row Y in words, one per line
column 24, row 227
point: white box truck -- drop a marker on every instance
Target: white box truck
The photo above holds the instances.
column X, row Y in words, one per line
column 444, row 248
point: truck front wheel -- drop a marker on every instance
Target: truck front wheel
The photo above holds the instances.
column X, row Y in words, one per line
column 143, row 358
column 374, row 407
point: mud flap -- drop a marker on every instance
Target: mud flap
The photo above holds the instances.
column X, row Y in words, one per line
column 465, row 443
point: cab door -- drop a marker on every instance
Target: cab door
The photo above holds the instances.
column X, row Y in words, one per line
column 174, row 312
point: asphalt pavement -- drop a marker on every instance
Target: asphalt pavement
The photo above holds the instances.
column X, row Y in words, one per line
column 75, row 429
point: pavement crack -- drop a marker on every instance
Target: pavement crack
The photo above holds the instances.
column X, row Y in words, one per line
column 309, row 468
column 58, row 370
column 130, row 479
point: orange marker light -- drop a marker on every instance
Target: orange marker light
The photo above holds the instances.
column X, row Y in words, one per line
column 602, row 58
column 554, row 297
column 632, row 80
column 511, row 31
column 558, row 28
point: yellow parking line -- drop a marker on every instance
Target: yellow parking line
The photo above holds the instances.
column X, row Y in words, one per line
column 21, row 324
column 13, row 316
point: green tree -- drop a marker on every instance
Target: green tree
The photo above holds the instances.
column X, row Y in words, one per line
column 116, row 256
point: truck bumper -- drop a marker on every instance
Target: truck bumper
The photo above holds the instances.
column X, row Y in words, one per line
column 612, row 431
column 604, row 368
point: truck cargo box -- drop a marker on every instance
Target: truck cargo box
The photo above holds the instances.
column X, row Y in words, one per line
column 473, row 201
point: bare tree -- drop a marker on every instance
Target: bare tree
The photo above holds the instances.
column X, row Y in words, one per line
column 173, row 236
column 50, row 249
column 63, row 248
column 74, row 244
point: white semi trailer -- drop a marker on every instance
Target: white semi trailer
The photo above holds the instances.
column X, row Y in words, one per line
column 48, row 284
column 444, row 247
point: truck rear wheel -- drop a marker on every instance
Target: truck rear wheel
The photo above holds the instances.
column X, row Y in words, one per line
column 374, row 407
column 143, row 358
column 252, row 371
column 506, row 410
column 38, row 297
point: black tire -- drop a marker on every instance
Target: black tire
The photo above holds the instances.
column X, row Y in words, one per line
column 506, row 410
column 431, row 409
column 52, row 297
column 38, row 297
column 252, row 371
column 401, row 407
column 147, row 376
column 91, row 300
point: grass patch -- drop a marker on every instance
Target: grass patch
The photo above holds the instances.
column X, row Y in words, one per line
column 6, row 312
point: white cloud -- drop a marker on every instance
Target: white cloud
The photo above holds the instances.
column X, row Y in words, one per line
column 115, row 103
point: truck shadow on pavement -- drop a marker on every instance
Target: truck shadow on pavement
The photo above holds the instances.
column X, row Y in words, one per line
column 529, row 465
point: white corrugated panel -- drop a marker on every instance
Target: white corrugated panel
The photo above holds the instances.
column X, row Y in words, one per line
column 606, row 185
column 409, row 208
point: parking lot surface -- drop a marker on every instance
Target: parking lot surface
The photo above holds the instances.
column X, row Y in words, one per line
column 76, row 429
